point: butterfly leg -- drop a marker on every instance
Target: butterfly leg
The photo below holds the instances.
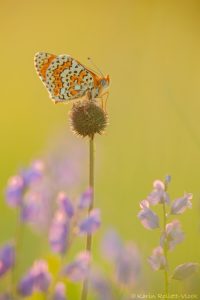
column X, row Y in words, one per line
column 104, row 100
column 101, row 102
column 89, row 96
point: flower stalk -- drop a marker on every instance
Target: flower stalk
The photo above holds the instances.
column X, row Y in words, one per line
column 87, row 118
column 171, row 234
column 17, row 245
column 91, row 185
column 165, row 246
column 166, row 275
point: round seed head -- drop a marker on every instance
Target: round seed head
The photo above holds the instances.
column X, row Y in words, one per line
column 87, row 118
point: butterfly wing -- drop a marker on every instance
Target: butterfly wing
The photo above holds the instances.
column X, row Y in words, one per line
column 42, row 60
column 64, row 77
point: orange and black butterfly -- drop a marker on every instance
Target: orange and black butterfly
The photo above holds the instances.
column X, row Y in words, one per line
column 67, row 79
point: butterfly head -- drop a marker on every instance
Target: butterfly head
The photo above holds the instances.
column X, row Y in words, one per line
column 105, row 82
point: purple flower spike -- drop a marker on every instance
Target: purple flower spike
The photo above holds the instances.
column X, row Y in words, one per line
column 128, row 266
column 37, row 279
column 181, row 204
column 65, row 204
column 78, row 270
column 85, row 199
column 147, row 217
column 60, row 292
column 157, row 259
column 31, row 207
column 144, row 204
column 7, row 258
column 18, row 184
column 26, row 285
column 59, row 232
column 158, row 195
column 15, row 190
column 41, row 275
column 173, row 236
column 34, row 173
column 90, row 224
column 112, row 245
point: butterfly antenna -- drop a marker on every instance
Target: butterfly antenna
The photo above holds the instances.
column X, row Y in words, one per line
column 89, row 58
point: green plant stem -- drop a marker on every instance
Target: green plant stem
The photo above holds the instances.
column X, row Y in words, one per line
column 84, row 293
column 17, row 244
column 166, row 275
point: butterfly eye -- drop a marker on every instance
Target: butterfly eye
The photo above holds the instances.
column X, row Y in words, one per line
column 103, row 82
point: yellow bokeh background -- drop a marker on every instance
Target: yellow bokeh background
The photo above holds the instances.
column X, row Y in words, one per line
column 151, row 50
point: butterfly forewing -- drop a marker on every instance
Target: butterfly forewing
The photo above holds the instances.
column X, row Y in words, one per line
column 64, row 77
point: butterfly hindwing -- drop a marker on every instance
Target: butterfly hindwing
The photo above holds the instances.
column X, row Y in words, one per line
column 64, row 77
column 42, row 61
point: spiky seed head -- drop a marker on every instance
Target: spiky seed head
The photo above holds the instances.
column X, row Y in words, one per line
column 87, row 118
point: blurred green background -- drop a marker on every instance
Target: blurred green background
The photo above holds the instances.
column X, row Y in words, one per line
column 151, row 50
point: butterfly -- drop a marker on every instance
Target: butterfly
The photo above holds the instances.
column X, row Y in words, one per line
column 67, row 79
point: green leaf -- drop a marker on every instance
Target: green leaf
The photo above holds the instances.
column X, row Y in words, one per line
column 184, row 271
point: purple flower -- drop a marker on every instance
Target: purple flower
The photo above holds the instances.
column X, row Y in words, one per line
column 59, row 232
column 181, row 204
column 17, row 185
column 157, row 259
column 112, row 245
column 21, row 192
column 7, row 258
column 91, row 223
column 148, row 218
column 37, row 279
column 128, row 266
column 30, row 209
column 60, row 292
column 173, row 235
column 36, row 209
column 79, row 268
column 85, row 199
column 41, row 275
column 158, row 195
column 125, row 258
column 66, row 223
column 65, row 204
column 101, row 286
column 35, row 188
column 15, row 190
column 26, row 285
column 144, row 204
column 33, row 173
